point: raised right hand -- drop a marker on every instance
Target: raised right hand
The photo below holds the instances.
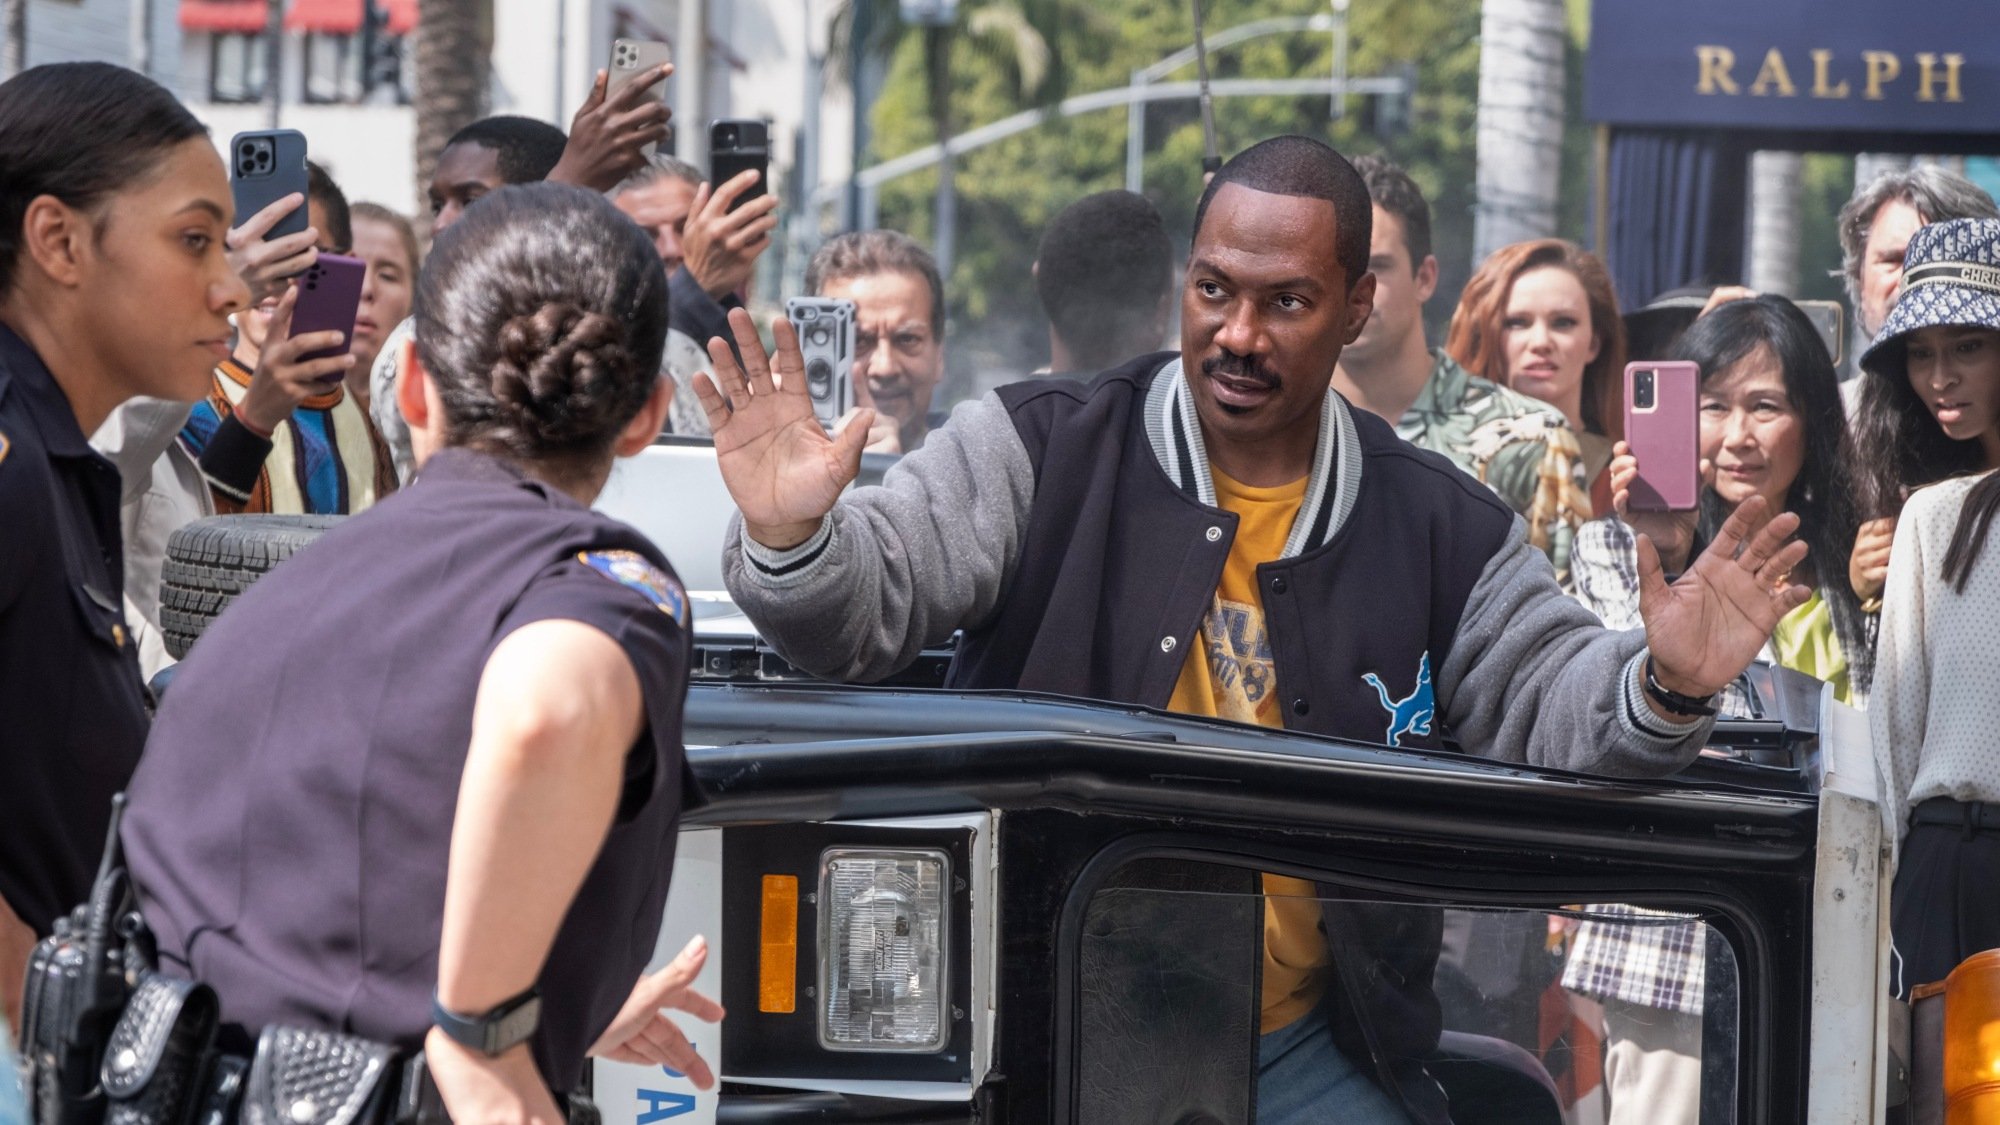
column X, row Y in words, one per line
column 265, row 266
column 1868, row 566
column 282, row 380
column 782, row 469
column 1672, row 533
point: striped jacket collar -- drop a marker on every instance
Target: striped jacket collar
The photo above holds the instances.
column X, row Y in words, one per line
column 1175, row 432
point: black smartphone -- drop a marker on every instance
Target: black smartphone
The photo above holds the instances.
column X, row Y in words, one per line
column 265, row 166
column 737, row 144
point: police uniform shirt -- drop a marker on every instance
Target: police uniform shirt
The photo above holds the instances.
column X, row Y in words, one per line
column 290, row 828
column 72, row 707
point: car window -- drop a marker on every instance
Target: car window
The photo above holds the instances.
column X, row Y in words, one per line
column 1197, row 981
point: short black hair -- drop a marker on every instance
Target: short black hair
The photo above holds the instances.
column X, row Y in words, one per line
column 1392, row 189
column 527, row 149
column 1103, row 270
column 79, row 132
column 541, row 317
column 1295, row 165
column 321, row 189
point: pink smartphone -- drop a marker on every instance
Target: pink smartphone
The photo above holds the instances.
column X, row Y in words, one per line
column 1663, row 427
column 329, row 297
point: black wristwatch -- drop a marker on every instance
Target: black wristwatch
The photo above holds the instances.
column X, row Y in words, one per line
column 1686, row 706
column 493, row 1033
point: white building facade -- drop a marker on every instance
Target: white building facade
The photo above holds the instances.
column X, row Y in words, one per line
column 344, row 72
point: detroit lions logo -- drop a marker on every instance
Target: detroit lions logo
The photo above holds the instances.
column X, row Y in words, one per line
column 1412, row 713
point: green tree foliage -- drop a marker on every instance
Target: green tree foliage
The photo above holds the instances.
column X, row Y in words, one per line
column 1009, row 190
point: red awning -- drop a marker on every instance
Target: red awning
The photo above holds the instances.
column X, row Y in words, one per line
column 241, row 16
column 402, row 16
column 325, row 17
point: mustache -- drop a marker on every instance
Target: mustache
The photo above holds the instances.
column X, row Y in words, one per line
column 1247, row 367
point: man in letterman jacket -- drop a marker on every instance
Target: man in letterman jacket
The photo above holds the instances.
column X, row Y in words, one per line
column 1096, row 539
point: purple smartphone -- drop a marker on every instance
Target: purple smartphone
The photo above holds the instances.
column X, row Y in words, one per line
column 329, row 298
column 1663, row 427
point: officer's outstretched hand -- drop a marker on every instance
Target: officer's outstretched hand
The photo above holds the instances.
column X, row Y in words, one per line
column 781, row 467
column 1707, row 627
column 641, row 1033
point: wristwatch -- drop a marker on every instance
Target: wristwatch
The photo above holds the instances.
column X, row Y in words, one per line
column 1686, row 706
column 497, row 1031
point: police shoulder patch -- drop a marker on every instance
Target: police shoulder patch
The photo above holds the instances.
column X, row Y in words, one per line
column 635, row 571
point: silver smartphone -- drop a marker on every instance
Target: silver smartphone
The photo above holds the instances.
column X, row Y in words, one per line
column 825, row 326
column 632, row 59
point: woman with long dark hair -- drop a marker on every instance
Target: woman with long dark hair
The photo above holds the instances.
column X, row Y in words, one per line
column 113, row 283
column 480, row 641
column 1932, row 408
column 1771, row 425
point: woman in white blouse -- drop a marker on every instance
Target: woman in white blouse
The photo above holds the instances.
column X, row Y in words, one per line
column 1935, row 707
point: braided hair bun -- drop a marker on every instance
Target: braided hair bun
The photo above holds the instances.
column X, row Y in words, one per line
column 542, row 318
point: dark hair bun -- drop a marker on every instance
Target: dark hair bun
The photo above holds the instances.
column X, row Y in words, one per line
column 558, row 372
column 541, row 320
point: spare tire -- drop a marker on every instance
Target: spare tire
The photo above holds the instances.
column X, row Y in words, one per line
column 212, row 560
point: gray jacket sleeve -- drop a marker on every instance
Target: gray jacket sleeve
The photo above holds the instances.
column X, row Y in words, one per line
column 901, row 565
column 1533, row 678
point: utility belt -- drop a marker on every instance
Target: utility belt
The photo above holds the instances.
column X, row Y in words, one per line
column 106, row 1039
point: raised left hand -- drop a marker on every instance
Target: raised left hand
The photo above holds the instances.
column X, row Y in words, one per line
column 642, row 1034
column 1707, row 627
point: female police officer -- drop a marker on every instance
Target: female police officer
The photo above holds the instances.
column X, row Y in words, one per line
column 113, row 283
column 481, row 641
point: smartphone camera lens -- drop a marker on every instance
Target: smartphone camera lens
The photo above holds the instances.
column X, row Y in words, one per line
column 819, row 379
column 726, row 136
column 1643, row 391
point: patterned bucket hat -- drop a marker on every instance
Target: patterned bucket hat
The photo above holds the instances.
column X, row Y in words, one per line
column 1951, row 275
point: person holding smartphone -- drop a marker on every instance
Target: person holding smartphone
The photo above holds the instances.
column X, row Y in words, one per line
column 1770, row 425
column 114, row 283
column 524, row 662
column 278, row 432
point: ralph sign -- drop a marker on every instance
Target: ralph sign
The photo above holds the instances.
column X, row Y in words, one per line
column 1918, row 66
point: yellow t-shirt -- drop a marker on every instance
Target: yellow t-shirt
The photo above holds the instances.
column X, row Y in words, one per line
column 1804, row 641
column 1229, row 674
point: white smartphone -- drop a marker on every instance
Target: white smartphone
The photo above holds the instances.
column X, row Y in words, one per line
column 632, row 59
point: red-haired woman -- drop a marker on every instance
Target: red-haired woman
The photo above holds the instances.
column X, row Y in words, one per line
column 1542, row 317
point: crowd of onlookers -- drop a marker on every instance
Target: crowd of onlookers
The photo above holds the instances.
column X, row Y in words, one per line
column 1887, row 467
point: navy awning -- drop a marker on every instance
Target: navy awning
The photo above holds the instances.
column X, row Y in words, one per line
column 1856, row 66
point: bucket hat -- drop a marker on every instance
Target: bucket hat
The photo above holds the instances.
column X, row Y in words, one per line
column 1951, row 275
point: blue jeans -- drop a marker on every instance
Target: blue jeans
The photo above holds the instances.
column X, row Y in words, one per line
column 1303, row 1079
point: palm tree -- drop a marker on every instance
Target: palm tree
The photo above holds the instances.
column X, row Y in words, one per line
column 14, row 50
column 1521, row 44
column 1019, row 34
column 454, row 64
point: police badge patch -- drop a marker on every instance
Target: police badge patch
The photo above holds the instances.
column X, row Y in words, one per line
column 635, row 571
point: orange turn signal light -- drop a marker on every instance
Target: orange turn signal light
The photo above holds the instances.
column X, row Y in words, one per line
column 1972, row 1041
column 778, row 946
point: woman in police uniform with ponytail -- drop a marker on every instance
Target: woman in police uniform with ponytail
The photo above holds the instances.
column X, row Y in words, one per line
column 114, row 282
column 421, row 783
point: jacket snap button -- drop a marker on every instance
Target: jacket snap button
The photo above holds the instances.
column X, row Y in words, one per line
column 1278, row 585
column 1214, row 534
column 1300, row 706
column 1167, row 644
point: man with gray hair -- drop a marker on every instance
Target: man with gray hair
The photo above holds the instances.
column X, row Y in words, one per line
column 710, row 252
column 1876, row 225
column 898, row 328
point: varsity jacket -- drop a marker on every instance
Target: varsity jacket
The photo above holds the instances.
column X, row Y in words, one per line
column 1070, row 530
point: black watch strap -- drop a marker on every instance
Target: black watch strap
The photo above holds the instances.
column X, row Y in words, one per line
column 492, row 1033
column 1687, row 706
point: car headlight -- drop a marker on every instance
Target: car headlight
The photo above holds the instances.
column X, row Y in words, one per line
column 883, row 968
